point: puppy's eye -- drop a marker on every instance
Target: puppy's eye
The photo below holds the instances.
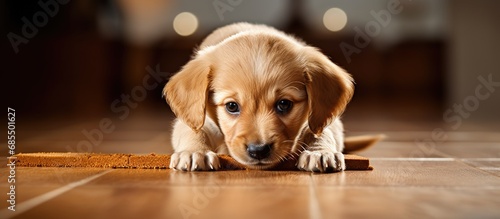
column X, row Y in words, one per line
column 283, row 106
column 233, row 108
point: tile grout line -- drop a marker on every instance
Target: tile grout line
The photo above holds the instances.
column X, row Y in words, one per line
column 413, row 159
column 490, row 168
column 33, row 202
column 314, row 209
column 494, row 159
column 469, row 162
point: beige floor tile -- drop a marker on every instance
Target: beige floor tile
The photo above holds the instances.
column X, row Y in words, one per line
column 259, row 202
column 494, row 171
column 483, row 162
column 91, row 201
column 399, row 149
column 408, row 202
column 424, row 148
column 451, row 136
column 490, row 165
column 412, row 174
column 164, row 178
column 23, row 194
column 32, row 182
column 50, row 176
column 106, row 202
column 471, row 149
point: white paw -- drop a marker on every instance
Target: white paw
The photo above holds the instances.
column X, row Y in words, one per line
column 194, row 161
column 321, row 161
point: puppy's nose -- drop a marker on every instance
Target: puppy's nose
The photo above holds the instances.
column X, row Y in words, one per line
column 259, row 151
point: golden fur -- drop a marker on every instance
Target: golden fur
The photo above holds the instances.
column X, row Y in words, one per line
column 262, row 71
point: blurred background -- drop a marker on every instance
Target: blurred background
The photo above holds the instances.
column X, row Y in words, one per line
column 418, row 65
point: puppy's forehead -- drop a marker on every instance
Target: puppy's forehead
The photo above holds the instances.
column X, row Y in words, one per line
column 241, row 90
column 258, row 65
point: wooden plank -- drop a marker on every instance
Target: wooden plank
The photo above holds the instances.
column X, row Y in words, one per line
column 353, row 162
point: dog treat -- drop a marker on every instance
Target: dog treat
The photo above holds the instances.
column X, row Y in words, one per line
column 149, row 161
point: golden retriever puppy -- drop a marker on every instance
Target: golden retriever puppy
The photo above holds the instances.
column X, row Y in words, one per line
column 262, row 97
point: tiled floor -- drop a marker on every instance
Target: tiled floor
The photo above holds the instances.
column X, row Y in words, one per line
column 413, row 178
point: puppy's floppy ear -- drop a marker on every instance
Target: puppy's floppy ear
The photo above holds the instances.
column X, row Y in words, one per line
column 187, row 92
column 329, row 89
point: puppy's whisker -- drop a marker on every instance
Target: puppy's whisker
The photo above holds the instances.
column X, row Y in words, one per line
column 302, row 147
column 295, row 153
column 289, row 153
column 217, row 148
column 281, row 158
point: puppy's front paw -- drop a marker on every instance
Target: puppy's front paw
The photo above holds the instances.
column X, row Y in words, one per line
column 321, row 161
column 194, row 161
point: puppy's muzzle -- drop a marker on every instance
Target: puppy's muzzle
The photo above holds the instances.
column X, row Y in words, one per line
column 259, row 151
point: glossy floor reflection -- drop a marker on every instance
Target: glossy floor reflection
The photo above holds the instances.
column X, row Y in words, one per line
column 457, row 178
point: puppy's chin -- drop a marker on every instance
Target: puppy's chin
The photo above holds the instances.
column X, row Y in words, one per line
column 252, row 163
column 279, row 153
column 257, row 164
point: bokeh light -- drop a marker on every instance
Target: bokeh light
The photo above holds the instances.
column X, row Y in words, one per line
column 185, row 23
column 335, row 19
